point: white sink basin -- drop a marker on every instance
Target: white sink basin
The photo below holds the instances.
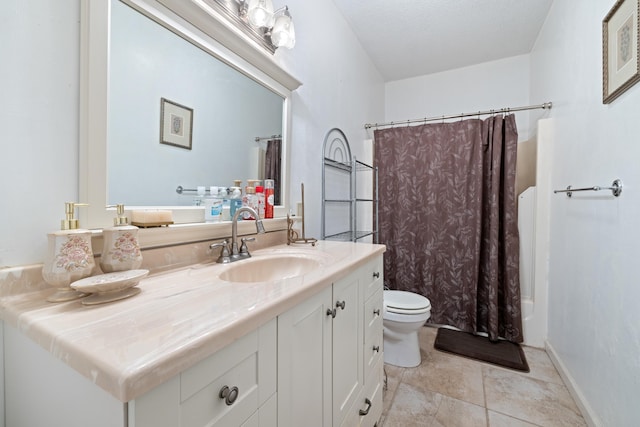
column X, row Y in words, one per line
column 268, row 268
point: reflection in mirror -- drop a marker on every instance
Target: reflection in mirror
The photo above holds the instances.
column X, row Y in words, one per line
column 229, row 111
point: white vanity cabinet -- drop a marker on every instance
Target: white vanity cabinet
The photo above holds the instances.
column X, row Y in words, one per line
column 328, row 370
column 61, row 396
column 316, row 362
column 236, row 386
column 368, row 406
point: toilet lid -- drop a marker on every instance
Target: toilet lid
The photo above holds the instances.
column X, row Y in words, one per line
column 405, row 302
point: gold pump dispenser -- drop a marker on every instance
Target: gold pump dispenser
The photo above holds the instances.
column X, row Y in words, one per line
column 70, row 222
column 120, row 218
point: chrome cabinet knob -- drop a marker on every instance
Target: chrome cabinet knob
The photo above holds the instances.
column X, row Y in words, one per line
column 229, row 394
column 376, row 274
column 332, row 312
column 340, row 304
column 376, row 348
column 376, row 312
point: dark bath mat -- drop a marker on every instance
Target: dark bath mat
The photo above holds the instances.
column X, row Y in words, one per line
column 501, row 353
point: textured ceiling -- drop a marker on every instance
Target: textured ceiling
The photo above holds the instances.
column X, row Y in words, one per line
column 408, row 38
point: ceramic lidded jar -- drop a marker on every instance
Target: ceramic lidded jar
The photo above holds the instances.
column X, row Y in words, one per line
column 120, row 250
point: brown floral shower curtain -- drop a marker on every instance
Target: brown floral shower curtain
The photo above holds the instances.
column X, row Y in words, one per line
column 447, row 213
column 273, row 166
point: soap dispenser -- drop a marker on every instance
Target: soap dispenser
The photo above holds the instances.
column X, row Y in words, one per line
column 120, row 249
column 69, row 256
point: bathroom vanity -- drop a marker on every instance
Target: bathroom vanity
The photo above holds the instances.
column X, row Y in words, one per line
column 193, row 349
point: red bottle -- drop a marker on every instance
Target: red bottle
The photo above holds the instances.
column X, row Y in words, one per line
column 268, row 198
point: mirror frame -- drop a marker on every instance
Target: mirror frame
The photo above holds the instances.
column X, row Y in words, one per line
column 195, row 21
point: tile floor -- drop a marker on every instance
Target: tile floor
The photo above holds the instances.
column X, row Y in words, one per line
column 448, row 390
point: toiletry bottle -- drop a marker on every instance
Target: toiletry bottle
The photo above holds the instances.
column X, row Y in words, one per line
column 223, row 194
column 120, row 249
column 235, row 198
column 260, row 200
column 213, row 206
column 269, row 198
column 201, row 191
column 69, row 256
column 249, row 199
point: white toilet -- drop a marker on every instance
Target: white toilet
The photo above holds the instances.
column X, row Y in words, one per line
column 404, row 314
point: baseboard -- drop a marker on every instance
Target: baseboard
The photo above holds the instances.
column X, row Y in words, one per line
column 588, row 414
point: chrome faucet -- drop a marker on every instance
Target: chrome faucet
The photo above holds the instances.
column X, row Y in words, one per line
column 242, row 252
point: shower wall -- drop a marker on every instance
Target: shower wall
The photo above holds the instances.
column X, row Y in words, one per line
column 526, row 165
column 533, row 224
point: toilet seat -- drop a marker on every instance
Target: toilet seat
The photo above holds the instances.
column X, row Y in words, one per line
column 402, row 302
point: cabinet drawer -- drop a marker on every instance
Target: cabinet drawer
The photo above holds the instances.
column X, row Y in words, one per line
column 369, row 401
column 373, row 332
column 239, row 368
column 373, row 392
column 373, row 277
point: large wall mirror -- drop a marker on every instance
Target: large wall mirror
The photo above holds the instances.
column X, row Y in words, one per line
column 140, row 57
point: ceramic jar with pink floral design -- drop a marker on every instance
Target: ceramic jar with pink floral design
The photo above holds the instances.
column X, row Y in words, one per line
column 120, row 250
column 69, row 258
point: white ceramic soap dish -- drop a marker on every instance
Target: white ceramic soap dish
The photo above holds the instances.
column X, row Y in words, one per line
column 110, row 286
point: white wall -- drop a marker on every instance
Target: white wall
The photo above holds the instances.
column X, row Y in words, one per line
column 39, row 112
column 39, row 118
column 594, row 322
column 341, row 88
column 490, row 85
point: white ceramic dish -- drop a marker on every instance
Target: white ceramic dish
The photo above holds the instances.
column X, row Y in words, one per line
column 101, row 298
column 110, row 282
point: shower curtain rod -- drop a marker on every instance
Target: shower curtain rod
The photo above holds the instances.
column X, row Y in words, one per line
column 545, row 106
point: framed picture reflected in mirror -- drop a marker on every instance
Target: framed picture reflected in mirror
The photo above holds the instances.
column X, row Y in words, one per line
column 176, row 124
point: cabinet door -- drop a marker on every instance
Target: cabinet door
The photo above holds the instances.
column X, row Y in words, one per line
column 347, row 344
column 304, row 363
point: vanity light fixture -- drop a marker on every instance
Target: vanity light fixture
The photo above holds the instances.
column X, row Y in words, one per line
column 277, row 24
column 257, row 19
column 283, row 33
column 260, row 13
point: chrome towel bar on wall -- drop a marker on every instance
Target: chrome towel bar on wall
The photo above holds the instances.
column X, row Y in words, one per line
column 616, row 189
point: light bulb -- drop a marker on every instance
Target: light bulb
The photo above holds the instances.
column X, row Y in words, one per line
column 260, row 13
column 283, row 33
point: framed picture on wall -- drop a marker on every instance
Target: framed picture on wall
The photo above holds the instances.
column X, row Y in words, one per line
column 620, row 41
column 176, row 124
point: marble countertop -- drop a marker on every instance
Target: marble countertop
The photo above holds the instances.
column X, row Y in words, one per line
column 179, row 318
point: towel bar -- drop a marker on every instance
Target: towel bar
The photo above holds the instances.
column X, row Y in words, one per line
column 616, row 189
